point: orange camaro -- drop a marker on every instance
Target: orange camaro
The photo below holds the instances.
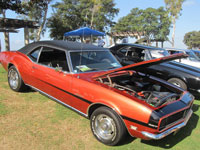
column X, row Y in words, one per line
column 90, row 81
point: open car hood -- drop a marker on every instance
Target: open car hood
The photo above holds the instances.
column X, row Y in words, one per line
column 142, row 65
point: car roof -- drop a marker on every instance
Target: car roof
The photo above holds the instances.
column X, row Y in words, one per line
column 118, row 46
column 64, row 45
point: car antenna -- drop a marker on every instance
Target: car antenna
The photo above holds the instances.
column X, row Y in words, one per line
column 80, row 55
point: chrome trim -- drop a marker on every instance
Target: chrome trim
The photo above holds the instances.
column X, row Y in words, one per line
column 55, row 99
column 66, row 72
column 88, row 109
column 169, row 131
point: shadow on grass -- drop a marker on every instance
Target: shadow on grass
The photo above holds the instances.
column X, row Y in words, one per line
column 127, row 140
column 28, row 90
column 197, row 97
column 171, row 140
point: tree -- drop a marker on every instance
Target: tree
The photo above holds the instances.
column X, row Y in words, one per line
column 151, row 23
column 14, row 5
column 36, row 10
column 19, row 5
column 132, row 22
column 174, row 8
column 192, row 39
column 72, row 14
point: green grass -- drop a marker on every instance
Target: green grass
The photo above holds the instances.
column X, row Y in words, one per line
column 33, row 121
column 3, row 109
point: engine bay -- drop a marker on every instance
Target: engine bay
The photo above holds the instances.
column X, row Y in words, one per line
column 143, row 87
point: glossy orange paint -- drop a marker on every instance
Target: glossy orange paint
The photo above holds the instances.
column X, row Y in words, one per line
column 80, row 91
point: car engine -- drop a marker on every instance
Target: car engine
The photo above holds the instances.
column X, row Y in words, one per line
column 142, row 87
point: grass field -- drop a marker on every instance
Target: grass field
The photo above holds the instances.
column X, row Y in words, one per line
column 30, row 121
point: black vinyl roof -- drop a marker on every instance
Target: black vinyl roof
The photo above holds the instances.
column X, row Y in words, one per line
column 59, row 44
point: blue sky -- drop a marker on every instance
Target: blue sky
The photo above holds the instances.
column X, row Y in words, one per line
column 188, row 21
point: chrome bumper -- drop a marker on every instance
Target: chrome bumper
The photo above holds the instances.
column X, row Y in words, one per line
column 169, row 131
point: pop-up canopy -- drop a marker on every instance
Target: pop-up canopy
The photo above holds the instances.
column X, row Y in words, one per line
column 84, row 32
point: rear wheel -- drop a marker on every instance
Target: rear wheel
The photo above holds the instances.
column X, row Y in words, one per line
column 178, row 83
column 15, row 81
column 106, row 126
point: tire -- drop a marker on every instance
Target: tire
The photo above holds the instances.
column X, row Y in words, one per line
column 15, row 81
column 107, row 127
column 178, row 83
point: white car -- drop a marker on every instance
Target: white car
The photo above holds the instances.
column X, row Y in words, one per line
column 192, row 60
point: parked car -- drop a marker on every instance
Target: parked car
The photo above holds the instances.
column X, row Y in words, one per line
column 184, row 76
column 192, row 60
column 197, row 53
column 90, row 81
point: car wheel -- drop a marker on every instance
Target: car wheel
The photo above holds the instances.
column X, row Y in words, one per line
column 106, row 126
column 15, row 81
column 178, row 83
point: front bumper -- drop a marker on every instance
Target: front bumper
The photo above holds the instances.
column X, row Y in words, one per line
column 169, row 131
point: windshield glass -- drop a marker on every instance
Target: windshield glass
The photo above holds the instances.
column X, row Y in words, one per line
column 197, row 53
column 192, row 56
column 87, row 61
column 158, row 53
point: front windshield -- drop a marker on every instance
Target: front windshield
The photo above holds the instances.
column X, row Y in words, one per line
column 197, row 53
column 158, row 53
column 192, row 56
column 87, row 61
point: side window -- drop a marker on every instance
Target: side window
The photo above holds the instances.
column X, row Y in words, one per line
column 174, row 52
column 123, row 51
column 53, row 58
column 34, row 55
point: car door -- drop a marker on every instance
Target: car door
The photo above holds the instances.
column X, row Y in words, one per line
column 51, row 74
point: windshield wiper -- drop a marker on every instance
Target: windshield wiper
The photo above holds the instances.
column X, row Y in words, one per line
column 111, row 67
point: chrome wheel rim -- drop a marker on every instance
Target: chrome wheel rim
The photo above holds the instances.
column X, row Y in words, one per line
column 105, row 127
column 13, row 78
column 177, row 84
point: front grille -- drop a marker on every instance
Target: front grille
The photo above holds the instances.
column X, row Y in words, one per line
column 170, row 120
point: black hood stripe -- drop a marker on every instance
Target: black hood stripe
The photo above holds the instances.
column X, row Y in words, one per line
column 138, row 122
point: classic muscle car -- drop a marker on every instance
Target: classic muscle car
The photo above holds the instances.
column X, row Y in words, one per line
column 90, row 81
column 182, row 75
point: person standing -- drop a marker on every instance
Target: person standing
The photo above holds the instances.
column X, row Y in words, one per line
column 100, row 41
column 125, row 40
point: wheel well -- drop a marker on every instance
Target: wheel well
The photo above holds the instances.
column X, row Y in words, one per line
column 10, row 65
column 93, row 108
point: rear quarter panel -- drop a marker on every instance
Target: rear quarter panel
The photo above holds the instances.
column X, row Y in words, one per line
column 19, row 60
